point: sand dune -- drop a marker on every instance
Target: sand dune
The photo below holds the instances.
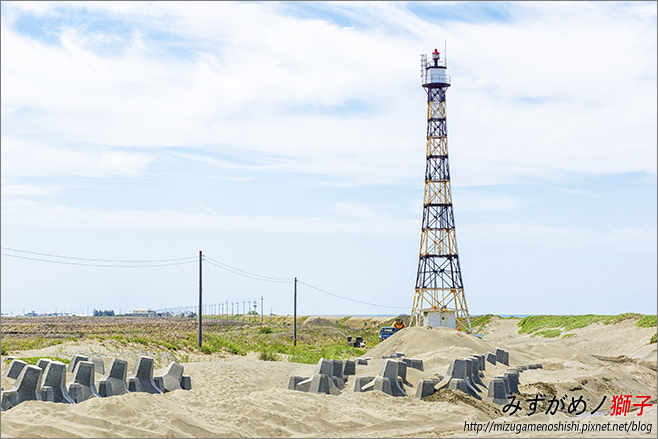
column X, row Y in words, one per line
column 241, row 396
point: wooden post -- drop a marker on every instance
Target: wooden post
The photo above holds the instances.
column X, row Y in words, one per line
column 200, row 298
column 294, row 339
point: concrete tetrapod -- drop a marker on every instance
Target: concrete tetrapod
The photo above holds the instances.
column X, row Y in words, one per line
column 349, row 367
column 481, row 359
column 513, row 379
column 413, row 363
column 359, row 382
column 388, row 380
column 141, row 379
column 82, row 386
column 502, row 356
column 426, row 387
column 337, row 374
column 114, row 381
column 15, row 368
column 469, row 373
column 322, row 380
column 75, row 360
column 26, row 388
column 457, row 370
column 186, row 382
column 53, row 383
column 506, row 381
column 497, row 393
column 171, row 377
column 43, row 362
column 99, row 365
column 491, row 358
column 475, row 372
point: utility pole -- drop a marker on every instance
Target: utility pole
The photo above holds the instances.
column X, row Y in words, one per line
column 261, row 309
column 200, row 298
column 294, row 337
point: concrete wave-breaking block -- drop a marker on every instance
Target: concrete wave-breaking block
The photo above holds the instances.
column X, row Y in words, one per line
column 15, row 368
column 349, row 367
column 491, row 358
column 99, row 365
column 141, row 379
column 506, row 381
column 502, row 356
column 458, row 369
column 82, row 386
column 461, row 384
column 413, row 363
column 361, row 361
column 475, row 372
column 359, row 382
column 322, row 383
column 171, row 377
column 481, row 360
column 337, row 369
column 43, row 362
column 497, row 393
column 322, row 380
column 426, row 387
column 513, row 380
column 324, row 366
column 114, row 381
column 186, row 382
column 470, row 373
column 389, row 370
column 26, row 388
column 53, row 383
column 294, row 380
column 75, row 360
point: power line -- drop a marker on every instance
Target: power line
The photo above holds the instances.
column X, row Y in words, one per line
column 349, row 298
column 99, row 260
column 244, row 273
column 98, row 265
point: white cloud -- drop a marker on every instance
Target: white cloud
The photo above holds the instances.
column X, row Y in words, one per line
column 592, row 70
column 20, row 158
column 38, row 215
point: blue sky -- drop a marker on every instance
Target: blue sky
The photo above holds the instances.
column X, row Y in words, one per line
column 287, row 139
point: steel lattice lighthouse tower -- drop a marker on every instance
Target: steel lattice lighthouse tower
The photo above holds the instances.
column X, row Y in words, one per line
column 439, row 296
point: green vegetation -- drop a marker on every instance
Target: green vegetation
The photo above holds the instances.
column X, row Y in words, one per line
column 653, row 339
column 569, row 335
column 479, row 322
column 34, row 360
column 344, row 320
column 4, row 350
column 26, row 344
column 548, row 333
column 646, row 322
column 269, row 355
column 552, row 326
column 273, row 340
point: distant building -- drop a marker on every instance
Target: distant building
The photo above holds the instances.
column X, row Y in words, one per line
column 142, row 313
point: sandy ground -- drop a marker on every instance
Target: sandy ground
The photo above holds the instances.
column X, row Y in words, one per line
column 241, row 396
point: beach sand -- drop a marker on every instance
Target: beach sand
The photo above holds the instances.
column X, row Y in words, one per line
column 242, row 396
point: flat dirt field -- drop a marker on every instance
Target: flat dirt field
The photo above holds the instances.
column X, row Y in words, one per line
column 240, row 395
